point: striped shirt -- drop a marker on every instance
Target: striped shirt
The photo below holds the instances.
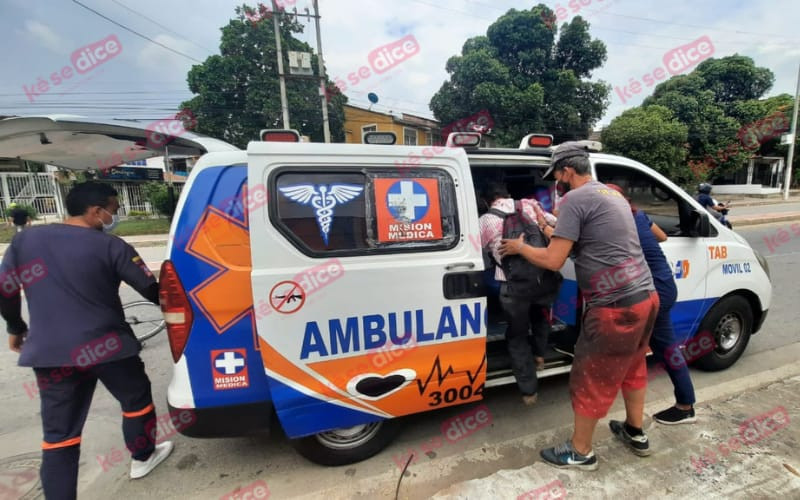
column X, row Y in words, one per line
column 491, row 226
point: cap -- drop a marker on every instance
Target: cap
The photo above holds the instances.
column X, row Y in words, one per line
column 569, row 149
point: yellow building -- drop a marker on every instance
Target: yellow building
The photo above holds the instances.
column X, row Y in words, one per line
column 410, row 130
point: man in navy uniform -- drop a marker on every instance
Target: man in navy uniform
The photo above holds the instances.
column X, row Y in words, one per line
column 71, row 274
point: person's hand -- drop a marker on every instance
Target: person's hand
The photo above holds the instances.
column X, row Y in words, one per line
column 15, row 342
column 511, row 247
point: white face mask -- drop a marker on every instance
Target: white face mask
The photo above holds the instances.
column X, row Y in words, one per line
column 114, row 221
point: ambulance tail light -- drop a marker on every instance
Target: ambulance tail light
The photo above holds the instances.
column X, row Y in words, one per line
column 176, row 308
column 463, row 140
column 279, row 135
column 536, row 141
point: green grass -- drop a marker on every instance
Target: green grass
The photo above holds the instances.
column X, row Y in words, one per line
column 133, row 227
column 6, row 233
column 125, row 228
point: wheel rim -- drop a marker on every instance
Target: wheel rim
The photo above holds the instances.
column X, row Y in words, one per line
column 349, row 437
column 728, row 332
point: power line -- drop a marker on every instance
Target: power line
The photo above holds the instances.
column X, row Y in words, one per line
column 661, row 21
column 160, row 25
column 137, row 33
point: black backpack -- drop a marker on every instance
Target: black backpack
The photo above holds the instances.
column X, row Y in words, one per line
column 525, row 280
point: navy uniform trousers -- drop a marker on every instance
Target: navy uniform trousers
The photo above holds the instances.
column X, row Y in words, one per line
column 65, row 401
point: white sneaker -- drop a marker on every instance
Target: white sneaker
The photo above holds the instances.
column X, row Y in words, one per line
column 141, row 468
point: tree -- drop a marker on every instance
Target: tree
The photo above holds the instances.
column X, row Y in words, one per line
column 662, row 148
column 734, row 78
column 238, row 91
column 717, row 102
column 158, row 196
column 528, row 80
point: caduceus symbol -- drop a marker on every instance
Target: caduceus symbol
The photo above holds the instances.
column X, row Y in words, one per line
column 323, row 198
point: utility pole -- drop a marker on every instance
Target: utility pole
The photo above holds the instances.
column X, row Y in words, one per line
column 284, row 103
column 322, row 88
column 792, row 133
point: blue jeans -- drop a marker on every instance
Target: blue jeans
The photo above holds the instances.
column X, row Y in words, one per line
column 662, row 341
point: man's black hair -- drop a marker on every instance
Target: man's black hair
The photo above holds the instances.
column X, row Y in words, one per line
column 88, row 194
column 495, row 190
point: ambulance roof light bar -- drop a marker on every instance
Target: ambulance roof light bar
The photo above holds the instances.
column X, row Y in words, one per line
column 279, row 135
column 536, row 141
column 463, row 140
column 383, row 138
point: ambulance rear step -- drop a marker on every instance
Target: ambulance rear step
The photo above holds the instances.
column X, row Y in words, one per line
column 504, row 377
column 496, row 331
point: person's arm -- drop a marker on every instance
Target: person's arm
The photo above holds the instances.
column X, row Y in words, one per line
column 132, row 270
column 491, row 228
column 11, row 303
column 552, row 257
column 659, row 233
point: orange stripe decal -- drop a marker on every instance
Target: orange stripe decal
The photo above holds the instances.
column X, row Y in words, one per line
column 61, row 444
column 144, row 411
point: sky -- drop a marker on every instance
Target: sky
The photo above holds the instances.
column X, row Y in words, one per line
column 146, row 79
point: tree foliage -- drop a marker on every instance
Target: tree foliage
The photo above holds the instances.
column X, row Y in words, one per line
column 662, row 148
column 529, row 79
column 717, row 102
column 238, row 91
column 158, row 196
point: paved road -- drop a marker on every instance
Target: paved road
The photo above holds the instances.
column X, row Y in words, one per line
column 212, row 468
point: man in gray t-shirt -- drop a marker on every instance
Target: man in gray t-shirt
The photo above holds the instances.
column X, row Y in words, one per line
column 595, row 225
column 609, row 262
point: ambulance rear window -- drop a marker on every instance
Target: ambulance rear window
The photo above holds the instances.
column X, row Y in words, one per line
column 362, row 211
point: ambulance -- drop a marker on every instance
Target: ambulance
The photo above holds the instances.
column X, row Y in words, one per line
column 333, row 288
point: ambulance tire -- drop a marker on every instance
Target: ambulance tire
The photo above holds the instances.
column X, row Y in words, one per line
column 730, row 321
column 347, row 446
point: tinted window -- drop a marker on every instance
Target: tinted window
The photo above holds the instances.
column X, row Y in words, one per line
column 664, row 207
column 365, row 211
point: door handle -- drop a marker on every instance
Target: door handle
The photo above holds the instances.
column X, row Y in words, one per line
column 468, row 265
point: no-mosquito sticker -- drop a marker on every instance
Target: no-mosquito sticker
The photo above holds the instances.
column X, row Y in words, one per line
column 287, row 297
column 408, row 209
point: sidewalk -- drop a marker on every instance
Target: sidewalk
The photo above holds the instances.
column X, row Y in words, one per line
column 744, row 445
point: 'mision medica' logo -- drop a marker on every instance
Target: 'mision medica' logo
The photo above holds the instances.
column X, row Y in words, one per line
column 229, row 369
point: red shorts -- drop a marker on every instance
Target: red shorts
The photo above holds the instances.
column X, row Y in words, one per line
column 610, row 354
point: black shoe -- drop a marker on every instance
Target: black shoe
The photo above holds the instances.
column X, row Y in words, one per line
column 675, row 416
column 564, row 456
column 638, row 443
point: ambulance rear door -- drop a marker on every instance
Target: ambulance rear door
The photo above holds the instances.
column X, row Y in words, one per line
column 367, row 291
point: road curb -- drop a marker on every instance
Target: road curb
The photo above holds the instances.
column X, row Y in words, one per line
column 753, row 221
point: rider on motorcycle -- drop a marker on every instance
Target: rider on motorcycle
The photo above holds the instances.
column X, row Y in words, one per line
column 718, row 210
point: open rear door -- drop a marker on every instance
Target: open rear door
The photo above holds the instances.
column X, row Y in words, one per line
column 79, row 143
column 367, row 288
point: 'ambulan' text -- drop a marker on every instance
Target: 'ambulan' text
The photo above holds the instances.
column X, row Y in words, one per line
column 372, row 331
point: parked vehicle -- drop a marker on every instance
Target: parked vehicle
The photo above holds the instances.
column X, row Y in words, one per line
column 322, row 285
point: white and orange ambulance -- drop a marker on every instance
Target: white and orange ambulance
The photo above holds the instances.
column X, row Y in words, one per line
column 337, row 287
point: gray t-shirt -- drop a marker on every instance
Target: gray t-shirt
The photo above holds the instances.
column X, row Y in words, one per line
column 609, row 262
column 71, row 277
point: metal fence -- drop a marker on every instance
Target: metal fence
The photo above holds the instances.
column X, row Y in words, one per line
column 39, row 190
column 42, row 191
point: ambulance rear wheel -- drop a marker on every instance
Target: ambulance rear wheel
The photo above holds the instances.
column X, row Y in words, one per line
column 348, row 445
column 730, row 322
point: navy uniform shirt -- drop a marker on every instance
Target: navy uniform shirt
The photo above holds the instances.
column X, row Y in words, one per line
column 71, row 277
column 656, row 260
